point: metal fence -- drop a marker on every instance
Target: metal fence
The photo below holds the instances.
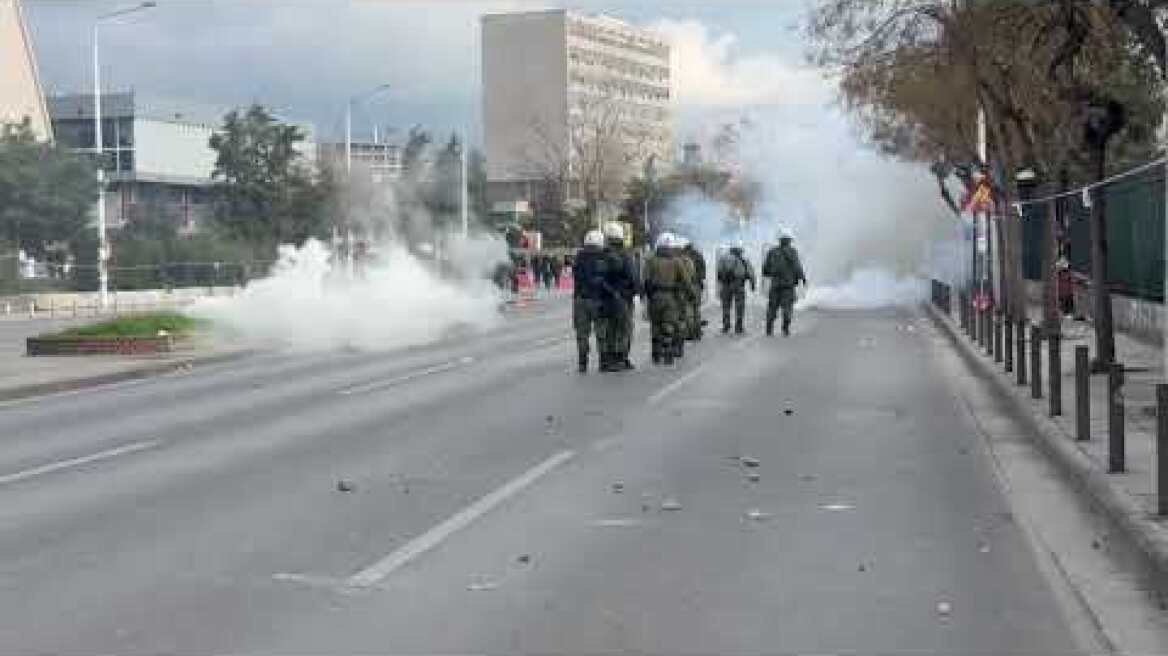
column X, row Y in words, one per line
column 1135, row 234
column 172, row 275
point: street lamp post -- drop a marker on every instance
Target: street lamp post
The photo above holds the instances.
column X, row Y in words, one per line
column 349, row 164
column 103, row 250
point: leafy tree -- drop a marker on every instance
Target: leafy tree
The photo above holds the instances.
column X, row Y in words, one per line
column 47, row 193
column 268, row 194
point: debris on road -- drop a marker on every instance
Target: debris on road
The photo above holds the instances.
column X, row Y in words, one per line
column 862, row 568
column 669, row 503
column 618, row 522
column 836, row 507
column 807, row 478
column 984, row 548
column 1096, row 544
column 944, row 608
column 747, row 461
column 788, row 412
column 483, row 584
column 523, row 559
column 618, row 487
column 756, row 515
column 753, row 477
column 346, row 486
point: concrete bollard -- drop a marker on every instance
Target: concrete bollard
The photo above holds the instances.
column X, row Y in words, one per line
column 1008, row 343
column 1035, row 362
column 1162, row 449
column 1116, row 450
column 1082, row 394
column 1021, row 359
column 1055, row 374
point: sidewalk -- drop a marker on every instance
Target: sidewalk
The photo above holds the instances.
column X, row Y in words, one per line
column 22, row 376
column 1129, row 497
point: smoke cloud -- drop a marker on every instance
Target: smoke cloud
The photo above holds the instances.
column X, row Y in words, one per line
column 868, row 228
column 399, row 300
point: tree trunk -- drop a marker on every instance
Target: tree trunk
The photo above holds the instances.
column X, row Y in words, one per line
column 1104, row 335
column 1017, row 289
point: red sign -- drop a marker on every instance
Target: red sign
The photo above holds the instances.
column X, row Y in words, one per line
column 982, row 301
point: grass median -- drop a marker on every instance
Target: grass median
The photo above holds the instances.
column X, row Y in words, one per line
column 154, row 324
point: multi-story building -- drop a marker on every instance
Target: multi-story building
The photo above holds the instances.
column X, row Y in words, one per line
column 157, row 166
column 20, row 88
column 382, row 161
column 552, row 80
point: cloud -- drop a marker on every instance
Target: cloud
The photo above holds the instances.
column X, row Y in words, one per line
column 711, row 71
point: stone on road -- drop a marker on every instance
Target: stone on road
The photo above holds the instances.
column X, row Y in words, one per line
column 220, row 537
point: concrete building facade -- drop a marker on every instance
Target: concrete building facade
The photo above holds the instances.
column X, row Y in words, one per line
column 21, row 95
column 154, row 165
column 551, row 78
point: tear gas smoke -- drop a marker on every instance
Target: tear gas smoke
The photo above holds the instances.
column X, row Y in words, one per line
column 865, row 225
column 398, row 300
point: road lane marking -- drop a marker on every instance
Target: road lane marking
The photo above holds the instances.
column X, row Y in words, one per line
column 377, row 571
column 405, row 378
column 672, row 387
column 51, row 467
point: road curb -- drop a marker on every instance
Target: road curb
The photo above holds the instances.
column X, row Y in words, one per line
column 1146, row 531
column 145, row 371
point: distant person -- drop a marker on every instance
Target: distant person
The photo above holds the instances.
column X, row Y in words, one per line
column 550, row 278
column 588, row 298
column 734, row 272
column 783, row 267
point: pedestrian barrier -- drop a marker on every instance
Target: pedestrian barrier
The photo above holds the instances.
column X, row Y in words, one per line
column 1082, row 394
column 1116, row 448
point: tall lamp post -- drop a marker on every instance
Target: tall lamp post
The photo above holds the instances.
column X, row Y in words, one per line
column 103, row 250
column 353, row 100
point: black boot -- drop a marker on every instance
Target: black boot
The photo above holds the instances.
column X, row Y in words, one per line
column 770, row 329
column 786, row 327
column 738, row 330
column 583, row 366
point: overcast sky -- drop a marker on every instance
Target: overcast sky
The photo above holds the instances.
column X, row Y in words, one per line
column 304, row 57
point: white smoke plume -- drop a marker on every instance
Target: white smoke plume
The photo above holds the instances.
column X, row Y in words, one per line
column 399, row 300
column 867, row 227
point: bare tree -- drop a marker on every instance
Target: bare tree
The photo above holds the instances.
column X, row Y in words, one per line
column 592, row 158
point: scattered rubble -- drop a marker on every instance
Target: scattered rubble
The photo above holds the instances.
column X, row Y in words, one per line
column 944, row 608
column 618, row 487
column 753, row 477
column 483, row 584
column 756, row 515
column 523, row 559
column 747, row 461
column 346, row 486
column 669, row 503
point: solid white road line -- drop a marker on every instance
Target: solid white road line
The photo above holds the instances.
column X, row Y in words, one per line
column 435, row 536
column 74, row 462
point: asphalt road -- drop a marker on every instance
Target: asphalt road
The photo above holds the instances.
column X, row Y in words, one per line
column 501, row 502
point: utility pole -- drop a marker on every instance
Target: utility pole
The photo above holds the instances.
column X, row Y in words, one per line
column 465, row 183
column 103, row 250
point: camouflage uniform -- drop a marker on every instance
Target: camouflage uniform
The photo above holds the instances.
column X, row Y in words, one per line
column 669, row 288
column 734, row 271
column 783, row 267
column 699, row 278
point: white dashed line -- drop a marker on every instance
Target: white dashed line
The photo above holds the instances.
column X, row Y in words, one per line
column 377, row 571
column 52, row 467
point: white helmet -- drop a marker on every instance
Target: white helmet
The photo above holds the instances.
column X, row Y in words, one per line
column 737, row 243
column 614, row 231
column 681, row 241
column 594, row 238
column 785, row 233
column 664, row 240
